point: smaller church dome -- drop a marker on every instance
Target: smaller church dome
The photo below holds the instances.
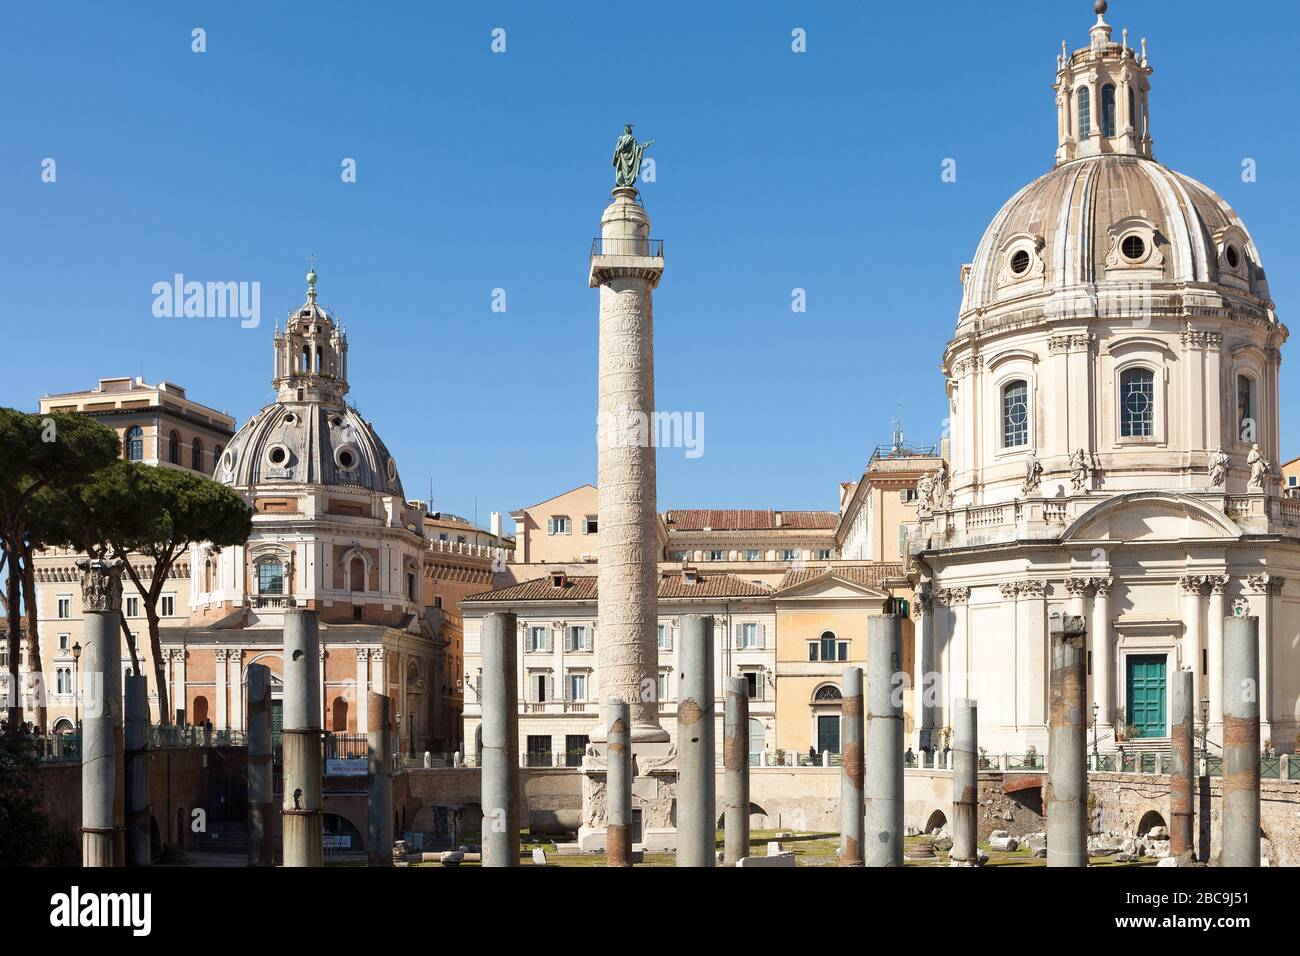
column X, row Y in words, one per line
column 309, row 443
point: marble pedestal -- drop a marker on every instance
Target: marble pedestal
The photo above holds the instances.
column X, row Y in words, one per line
column 654, row 793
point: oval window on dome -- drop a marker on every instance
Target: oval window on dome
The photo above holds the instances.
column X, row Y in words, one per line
column 347, row 457
column 277, row 455
column 291, row 419
column 1020, row 262
column 1233, row 257
column 1133, row 247
column 392, row 470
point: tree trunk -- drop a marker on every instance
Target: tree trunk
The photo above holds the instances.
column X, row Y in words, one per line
column 155, row 648
column 34, row 664
column 14, row 619
column 130, row 643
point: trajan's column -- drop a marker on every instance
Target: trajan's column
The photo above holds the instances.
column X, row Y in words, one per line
column 626, row 266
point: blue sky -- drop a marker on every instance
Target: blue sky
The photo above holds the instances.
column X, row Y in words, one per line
column 479, row 170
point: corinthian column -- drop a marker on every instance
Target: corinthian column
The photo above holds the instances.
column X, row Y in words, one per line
column 626, row 267
column 923, row 664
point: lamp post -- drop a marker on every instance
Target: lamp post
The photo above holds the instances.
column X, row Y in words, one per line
column 1205, row 727
column 1095, row 753
column 76, row 685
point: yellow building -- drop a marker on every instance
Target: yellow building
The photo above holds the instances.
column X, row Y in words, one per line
column 821, row 628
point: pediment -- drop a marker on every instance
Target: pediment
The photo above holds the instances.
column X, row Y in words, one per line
column 831, row 586
column 1152, row 516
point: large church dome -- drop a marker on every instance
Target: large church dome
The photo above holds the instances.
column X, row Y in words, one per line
column 1111, row 218
column 309, row 443
column 310, row 435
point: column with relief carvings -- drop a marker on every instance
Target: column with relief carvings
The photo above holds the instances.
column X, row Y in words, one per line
column 1100, row 636
column 1193, row 588
column 363, row 689
column 219, row 675
column 923, row 664
column 1218, row 590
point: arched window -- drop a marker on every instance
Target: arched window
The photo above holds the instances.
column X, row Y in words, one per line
column 1015, row 414
column 196, row 455
column 216, row 456
column 306, row 359
column 1132, row 109
column 1247, row 424
column 270, row 577
column 174, row 448
column 1085, row 113
column 317, row 360
column 1137, row 394
column 357, row 573
column 1108, row 110
column 828, row 694
column 135, row 443
column 828, row 646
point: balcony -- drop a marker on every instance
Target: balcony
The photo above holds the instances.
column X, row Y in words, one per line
column 626, row 258
column 270, row 601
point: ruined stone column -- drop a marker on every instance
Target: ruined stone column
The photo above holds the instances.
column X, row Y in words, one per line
column 301, row 738
column 1182, row 708
column 618, row 783
column 261, row 846
column 626, row 269
column 965, row 782
column 696, row 761
column 1240, row 742
column 379, row 747
column 883, row 785
column 102, row 771
column 735, row 763
column 1066, row 793
column 852, row 767
column 136, row 708
column 500, row 730
column 923, row 664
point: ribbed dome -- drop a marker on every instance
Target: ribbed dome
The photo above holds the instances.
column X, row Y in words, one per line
column 309, row 443
column 1111, row 218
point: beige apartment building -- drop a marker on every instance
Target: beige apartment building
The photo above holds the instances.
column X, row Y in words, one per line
column 158, row 425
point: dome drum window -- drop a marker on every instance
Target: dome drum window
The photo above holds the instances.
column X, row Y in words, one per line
column 279, row 458
column 1021, row 259
column 1234, row 263
column 347, row 457
column 1135, row 245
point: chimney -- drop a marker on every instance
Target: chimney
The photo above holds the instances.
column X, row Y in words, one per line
column 559, row 579
column 778, row 519
column 494, row 523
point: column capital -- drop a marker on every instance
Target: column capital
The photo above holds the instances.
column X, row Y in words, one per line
column 1264, row 584
column 1193, row 584
column 1031, row 589
column 363, row 654
column 1103, row 585
column 101, row 584
column 951, row 596
column 1078, row 587
column 220, row 654
column 924, row 602
column 1009, row 590
column 1219, row 583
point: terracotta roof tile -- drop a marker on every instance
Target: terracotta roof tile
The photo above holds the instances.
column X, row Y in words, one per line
column 869, row 575
column 741, row 519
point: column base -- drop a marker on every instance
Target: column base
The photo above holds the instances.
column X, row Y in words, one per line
column 654, row 796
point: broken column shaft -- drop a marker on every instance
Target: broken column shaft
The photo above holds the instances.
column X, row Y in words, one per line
column 883, row 782
column 500, row 740
column 301, row 817
column 102, row 771
column 617, row 722
column 1067, row 779
column 136, row 709
column 696, row 762
column 261, row 846
column 1240, row 742
column 735, row 763
column 852, row 768
column 379, row 751
column 965, row 781
column 1183, row 770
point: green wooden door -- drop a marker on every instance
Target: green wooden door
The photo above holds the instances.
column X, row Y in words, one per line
column 828, row 733
column 1147, row 702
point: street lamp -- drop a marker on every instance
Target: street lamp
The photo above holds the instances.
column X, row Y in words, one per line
column 1095, row 708
column 76, row 684
column 1205, row 727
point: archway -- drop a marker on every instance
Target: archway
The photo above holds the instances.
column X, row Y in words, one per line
column 341, row 835
column 1150, row 820
column 937, row 821
column 200, row 711
column 339, row 716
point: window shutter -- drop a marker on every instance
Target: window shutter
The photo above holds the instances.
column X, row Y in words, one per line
column 736, row 636
column 589, row 634
column 550, row 526
column 550, row 640
column 550, row 688
column 762, row 637
column 758, row 686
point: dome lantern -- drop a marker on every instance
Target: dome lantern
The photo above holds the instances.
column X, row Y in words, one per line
column 311, row 357
column 1102, row 96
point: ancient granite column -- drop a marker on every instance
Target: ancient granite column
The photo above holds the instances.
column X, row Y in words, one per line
column 1241, row 741
column 696, row 760
column 965, row 781
column 618, row 783
column 626, row 267
column 883, row 781
column 136, row 708
column 301, row 738
column 1066, row 792
column 735, row 763
column 924, row 679
column 852, row 768
column 102, row 771
column 1182, row 710
column 500, row 729
column 379, row 739
column 261, row 846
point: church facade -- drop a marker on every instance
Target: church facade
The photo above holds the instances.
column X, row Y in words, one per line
column 1113, row 382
